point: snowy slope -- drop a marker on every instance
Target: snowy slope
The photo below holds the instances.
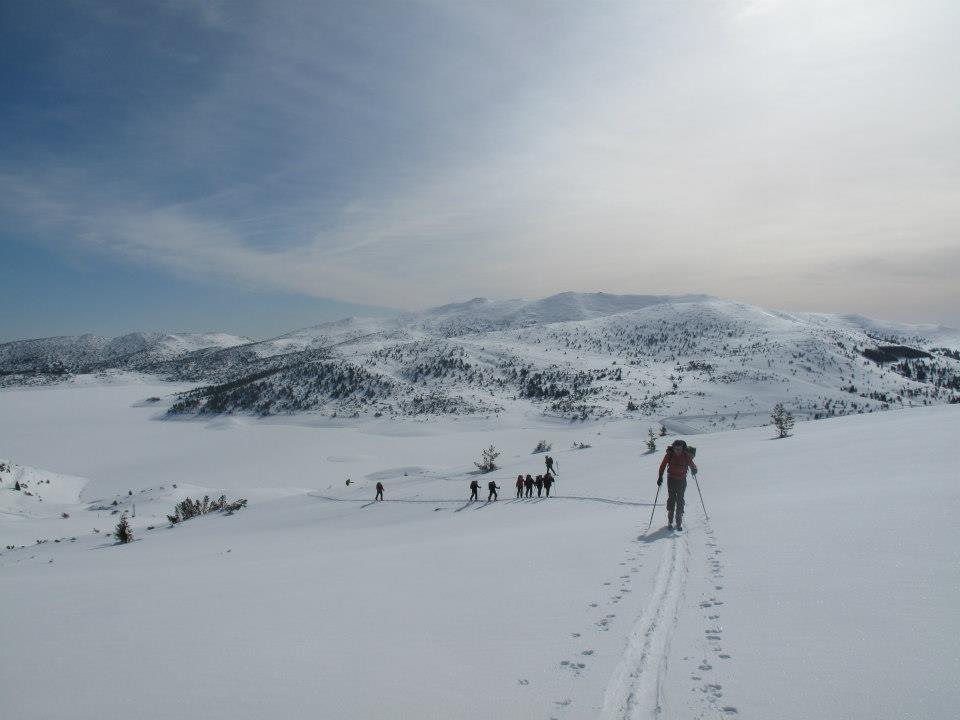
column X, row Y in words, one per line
column 89, row 353
column 702, row 363
column 696, row 363
column 823, row 585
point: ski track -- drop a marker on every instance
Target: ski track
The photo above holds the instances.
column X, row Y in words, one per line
column 635, row 688
column 505, row 500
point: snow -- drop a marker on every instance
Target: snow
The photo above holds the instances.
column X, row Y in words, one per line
column 823, row 585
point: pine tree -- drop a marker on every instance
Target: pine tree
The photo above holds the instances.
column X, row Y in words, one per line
column 651, row 441
column 123, row 532
column 488, row 462
column 782, row 420
column 663, row 431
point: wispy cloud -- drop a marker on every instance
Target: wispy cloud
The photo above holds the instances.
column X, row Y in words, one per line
column 410, row 154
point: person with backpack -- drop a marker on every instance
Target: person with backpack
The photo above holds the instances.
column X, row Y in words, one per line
column 548, row 481
column 528, row 484
column 539, row 483
column 519, row 486
column 676, row 462
column 379, row 495
column 492, row 487
column 549, row 462
column 474, row 489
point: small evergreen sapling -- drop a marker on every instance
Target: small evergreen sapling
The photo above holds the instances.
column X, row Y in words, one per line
column 488, row 462
column 651, row 441
column 782, row 420
column 123, row 533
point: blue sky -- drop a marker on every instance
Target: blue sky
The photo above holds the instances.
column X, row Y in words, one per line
column 257, row 166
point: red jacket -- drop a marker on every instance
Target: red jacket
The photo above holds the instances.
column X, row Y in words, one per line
column 676, row 465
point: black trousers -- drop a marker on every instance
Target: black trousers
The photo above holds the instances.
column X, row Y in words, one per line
column 676, row 487
column 520, row 491
column 529, row 490
column 379, row 495
column 473, row 495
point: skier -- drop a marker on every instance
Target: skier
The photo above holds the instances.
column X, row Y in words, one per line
column 676, row 462
column 548, row 481
column 519, row 486
column 474, row 489
column 539, row 483
column 379, row 495
column 492, row 487
column 528, row 484
column 548, row 461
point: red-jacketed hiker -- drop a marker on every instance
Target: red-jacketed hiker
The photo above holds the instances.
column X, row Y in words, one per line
column 379, row 495
column 676, row 462
column 519, row 486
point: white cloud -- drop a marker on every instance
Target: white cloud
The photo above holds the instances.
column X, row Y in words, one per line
column 616, row 146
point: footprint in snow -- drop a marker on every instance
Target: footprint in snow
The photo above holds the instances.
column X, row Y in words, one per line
column 523, row 681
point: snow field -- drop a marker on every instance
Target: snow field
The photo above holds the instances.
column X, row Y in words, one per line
column 823, row 585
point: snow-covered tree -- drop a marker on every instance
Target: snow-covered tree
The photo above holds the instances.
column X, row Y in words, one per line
column 782, row 420
column 651, row 441
column 488, row 462
column 123, row 532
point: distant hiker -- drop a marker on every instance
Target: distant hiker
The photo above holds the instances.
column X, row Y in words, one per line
column 548, row 461
column 346, row 483
column 676, row 462
column 539, row 483
column 547, row 483
column 492, row 487
column 519, row 486
column 474, row 489
column 528, row 484
column 379, row 492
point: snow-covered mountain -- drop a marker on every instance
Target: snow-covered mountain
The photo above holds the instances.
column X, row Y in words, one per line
column 695, row 362
column 54, row 356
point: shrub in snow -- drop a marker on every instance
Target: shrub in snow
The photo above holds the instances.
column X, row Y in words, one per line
column 64, row 515
column 651, row 441
column 542, row 447
column 189, row 508
column 123, row 532
column 782, row 420
column 581, row 445
column 488, row 462
column 17, row 485
column 663, row 431
column 632, row 406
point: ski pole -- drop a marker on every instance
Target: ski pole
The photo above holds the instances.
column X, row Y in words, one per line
column 650, row 524
column 701, row 496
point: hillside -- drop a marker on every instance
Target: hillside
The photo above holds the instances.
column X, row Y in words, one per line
column 314, row 601
column 694, row 362
column 51, row 359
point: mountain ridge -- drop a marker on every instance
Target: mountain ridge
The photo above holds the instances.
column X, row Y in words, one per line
column 692, row 360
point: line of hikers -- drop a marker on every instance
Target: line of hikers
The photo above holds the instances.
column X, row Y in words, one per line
column 524, row 484
column 677, row 460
